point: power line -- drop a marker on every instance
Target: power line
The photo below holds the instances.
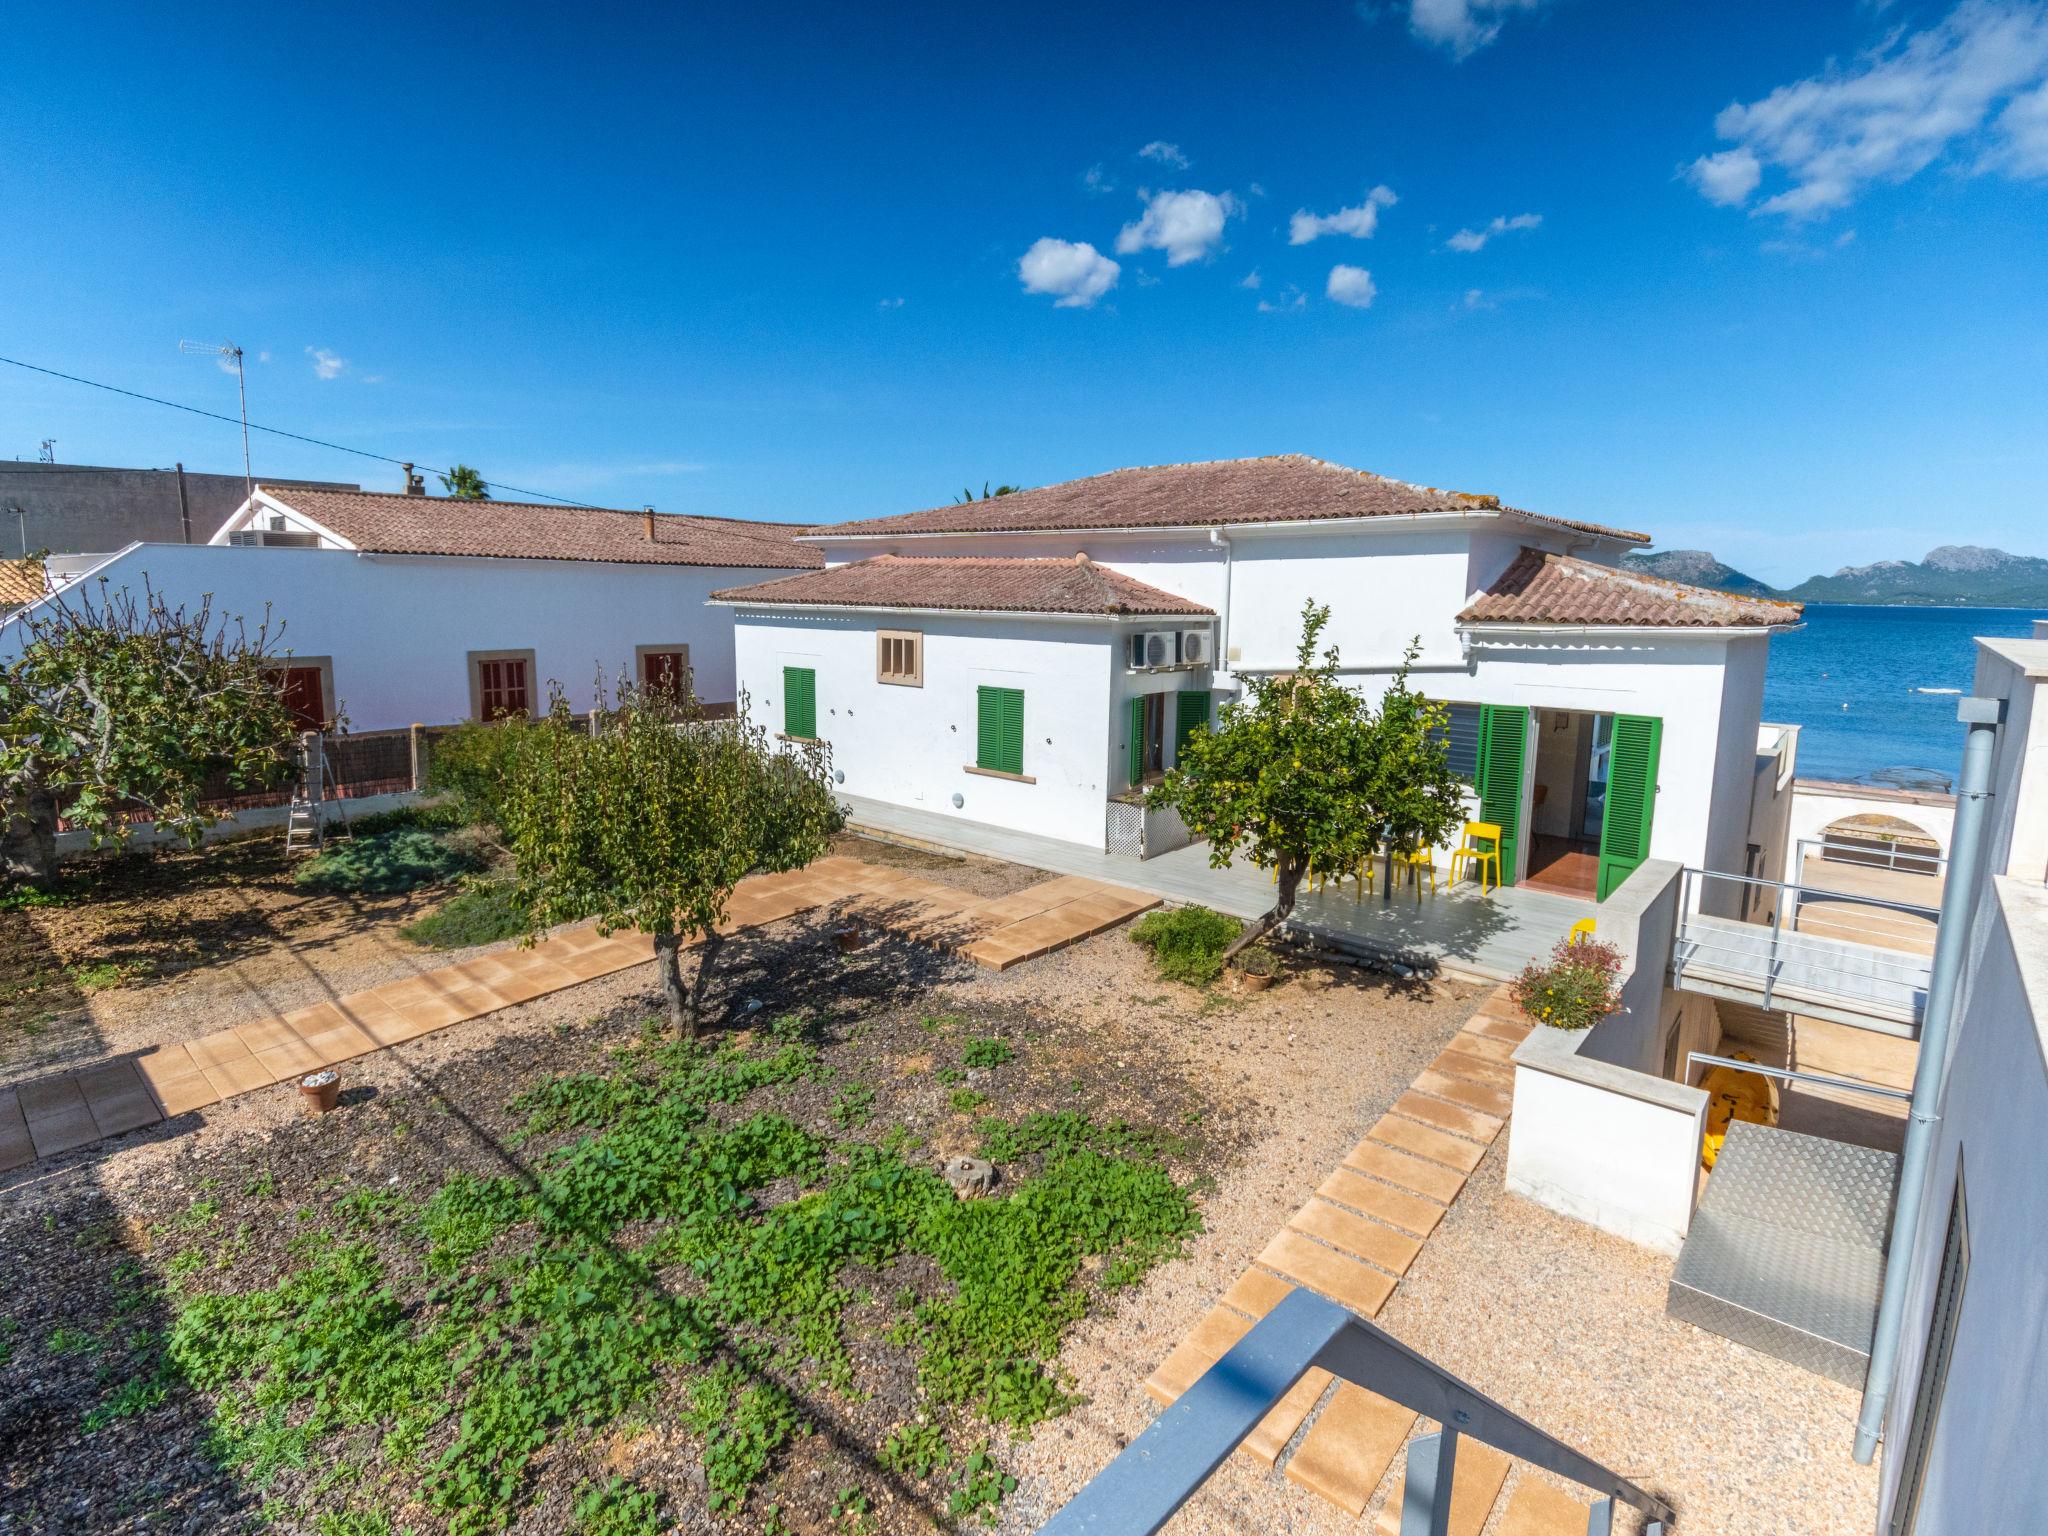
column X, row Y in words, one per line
column 299, row 437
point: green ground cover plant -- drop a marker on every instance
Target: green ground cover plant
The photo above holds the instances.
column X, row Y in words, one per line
column 1187, row 943
column 484, row 911
column 385, row 863
column 452, row 1338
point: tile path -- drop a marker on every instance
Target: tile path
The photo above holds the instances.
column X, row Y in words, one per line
column 1352, row 1242
column 57, row 1114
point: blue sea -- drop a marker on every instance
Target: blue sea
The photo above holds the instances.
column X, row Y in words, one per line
column 1851, row 679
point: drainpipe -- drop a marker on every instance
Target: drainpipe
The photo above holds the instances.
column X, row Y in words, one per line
column 1218, row 536
column 1951, row 944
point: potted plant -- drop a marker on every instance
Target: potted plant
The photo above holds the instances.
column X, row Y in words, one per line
column 1577, row 987
column 1257, row 969
column 321, row 1089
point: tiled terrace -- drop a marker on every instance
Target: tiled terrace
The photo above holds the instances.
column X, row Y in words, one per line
column 1491, row 936
column 72, row 1109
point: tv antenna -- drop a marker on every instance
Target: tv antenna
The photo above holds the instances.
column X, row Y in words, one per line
column 49, row 451
column 221, row 352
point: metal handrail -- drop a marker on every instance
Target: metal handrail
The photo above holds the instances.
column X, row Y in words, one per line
column 1159, row 1471
column 1791, row 1075
column 1915, row 861
column 1824, row 953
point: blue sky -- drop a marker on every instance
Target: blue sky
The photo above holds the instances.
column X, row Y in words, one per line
column 1765, row 278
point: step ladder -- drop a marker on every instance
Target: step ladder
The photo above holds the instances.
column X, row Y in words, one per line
column 305, row 827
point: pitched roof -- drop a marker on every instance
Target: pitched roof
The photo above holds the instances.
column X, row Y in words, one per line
column 1542, row 588
column 385, row 523
column 1289, row 487
column 1077, row 585
column 21, row 581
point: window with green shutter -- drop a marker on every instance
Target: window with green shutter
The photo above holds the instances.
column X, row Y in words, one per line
column 999, row 733
column 799, row 702
column 1503, row 748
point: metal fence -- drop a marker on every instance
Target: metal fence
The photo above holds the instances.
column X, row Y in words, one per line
column 1874, row 853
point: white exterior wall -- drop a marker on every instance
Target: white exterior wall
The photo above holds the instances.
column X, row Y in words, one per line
column 1818, row 804
column 913, row 746
column 1984, row 1467
column 2017, row 672
column 399, row 628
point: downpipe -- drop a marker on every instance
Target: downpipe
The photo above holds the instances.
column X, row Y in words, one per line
column 1951, row 947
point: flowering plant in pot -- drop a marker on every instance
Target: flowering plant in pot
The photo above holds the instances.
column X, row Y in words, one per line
column 1577, row 987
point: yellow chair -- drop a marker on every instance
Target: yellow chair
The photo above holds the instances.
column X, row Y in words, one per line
column 1471, row 852
column 1414, row 866
column 1582, row 930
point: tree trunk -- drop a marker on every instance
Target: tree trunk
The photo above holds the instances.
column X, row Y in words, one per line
column 1388, row 893
column 1291, row 871
column 707, row 956
column 668, row 957
column 28, row 840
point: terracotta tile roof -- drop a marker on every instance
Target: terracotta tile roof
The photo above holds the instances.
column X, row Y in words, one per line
column 1542, row 588
column 388, row 524
column 21, row 581
column 1078, row 585
column 1281, row 488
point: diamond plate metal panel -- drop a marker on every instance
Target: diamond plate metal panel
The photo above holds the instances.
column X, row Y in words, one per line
column 1786, row 1251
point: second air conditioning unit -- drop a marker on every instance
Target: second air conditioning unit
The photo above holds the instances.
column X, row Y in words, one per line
column 1194, row 647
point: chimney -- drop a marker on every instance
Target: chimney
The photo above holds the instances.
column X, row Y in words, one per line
column 648, row 512
column 415, row 485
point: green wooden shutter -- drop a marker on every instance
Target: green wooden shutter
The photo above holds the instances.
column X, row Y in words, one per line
column 1134, row 753
column 1503, row 746
column 1631, row 799
column 999, row 729
column 799, row 701
column 1190, row 714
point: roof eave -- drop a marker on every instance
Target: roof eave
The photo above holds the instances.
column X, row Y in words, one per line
column 836, row 531
column 1509, row 628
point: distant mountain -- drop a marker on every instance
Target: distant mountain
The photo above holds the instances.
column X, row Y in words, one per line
column 1698, row 568
column 1955, row 575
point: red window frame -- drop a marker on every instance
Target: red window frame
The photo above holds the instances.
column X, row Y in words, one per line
column 501, row 688
column 304, row 691
column 665, row 672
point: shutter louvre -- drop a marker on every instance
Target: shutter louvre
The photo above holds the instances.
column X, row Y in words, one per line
column 999, row 729
column 1631, row 799
column 799, row 702
column 1503, row 747
column 1190, row 714
column 1135, row 754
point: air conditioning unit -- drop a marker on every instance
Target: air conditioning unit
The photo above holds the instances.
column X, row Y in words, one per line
column 1194, row 648
column 1154, row 648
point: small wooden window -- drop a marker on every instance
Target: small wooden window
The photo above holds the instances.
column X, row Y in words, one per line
column 304, row 689
column 665, row 670
column 500, row 683
column 899, row 657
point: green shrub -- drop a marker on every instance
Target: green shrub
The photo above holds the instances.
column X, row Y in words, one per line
column 1577, row 987
column 1258, row 962
column 428, row 816
column 471, row 765
column 1187, row 943
column 988, row 1052
column 384, row 864
column 482, row 912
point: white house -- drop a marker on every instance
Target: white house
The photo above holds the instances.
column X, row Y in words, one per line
column 1604, row 717
column 404, row 609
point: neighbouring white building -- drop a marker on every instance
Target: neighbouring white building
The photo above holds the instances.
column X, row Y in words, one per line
column 1032, row 661
column 409, row 609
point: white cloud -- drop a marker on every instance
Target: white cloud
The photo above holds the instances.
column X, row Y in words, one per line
column 1096, row 179
column 1463, row 26
column 1895, row 110
column 896, row 303
column 373, row 378
column 1352, row 286
column 1358, row 222
column 1166, row 154
column 1073, row 269
column 1186, row 225
column 1287, row 298
column 1475, row 298
column 1251, row 279
column 325, row 364
column 1475, row 239
column 1728, row 177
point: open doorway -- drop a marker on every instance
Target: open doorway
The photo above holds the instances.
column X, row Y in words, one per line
column 1568, row 803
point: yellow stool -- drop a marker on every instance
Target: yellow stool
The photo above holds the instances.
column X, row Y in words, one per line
column 1582, row 931
column 1470, row 852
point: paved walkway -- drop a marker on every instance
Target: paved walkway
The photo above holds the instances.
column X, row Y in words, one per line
column 1489, row 936
column 1352, row 1242
column 72, row 1109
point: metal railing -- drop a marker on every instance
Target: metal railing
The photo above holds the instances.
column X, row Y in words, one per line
column 1850, row 959
column 1158, row 1472
column 1873, row 853
column 1792, row 1075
